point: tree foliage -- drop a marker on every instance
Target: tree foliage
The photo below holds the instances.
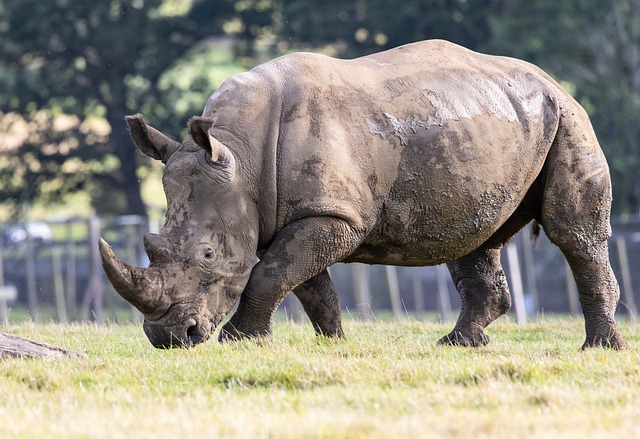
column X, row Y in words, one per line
column 593, row 48
column 90, row 60
column 358, row 27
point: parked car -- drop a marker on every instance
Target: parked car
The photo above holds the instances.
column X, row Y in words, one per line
column 16, row 234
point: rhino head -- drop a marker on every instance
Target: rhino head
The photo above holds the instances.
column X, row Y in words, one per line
column 202, row 258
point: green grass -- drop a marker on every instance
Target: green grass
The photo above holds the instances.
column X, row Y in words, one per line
column 386, row 379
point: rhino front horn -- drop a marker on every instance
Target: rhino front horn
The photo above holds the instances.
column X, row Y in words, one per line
column 132, row 283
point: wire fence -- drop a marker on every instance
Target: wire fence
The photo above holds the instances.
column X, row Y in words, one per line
column 52, row 271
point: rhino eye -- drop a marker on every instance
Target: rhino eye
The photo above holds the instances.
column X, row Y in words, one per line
column 205, row 253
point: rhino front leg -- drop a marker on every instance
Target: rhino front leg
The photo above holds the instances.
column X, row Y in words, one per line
column 301, row 251
column 484, row 294
column 319, row 299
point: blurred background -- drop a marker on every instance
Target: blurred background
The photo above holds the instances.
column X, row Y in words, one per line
column 71, row 69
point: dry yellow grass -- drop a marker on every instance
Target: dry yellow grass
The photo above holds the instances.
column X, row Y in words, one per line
column 386, row 379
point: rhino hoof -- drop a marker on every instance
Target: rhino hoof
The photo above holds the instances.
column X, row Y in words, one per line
column 229, row 333
column 456, row 338
column 615, row 342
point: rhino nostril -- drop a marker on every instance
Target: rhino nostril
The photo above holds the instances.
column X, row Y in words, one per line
column 196, row 334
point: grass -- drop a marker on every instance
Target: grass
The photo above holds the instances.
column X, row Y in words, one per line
column 386, row 379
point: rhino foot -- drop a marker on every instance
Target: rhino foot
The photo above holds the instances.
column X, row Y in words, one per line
column 336, row 332
column 457, row 338
column 228, row 334
column 614, row 341
column 231, row 332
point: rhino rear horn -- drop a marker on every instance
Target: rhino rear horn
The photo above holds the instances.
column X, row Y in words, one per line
column 158, row 248
column 149, row 140
column 199, row 129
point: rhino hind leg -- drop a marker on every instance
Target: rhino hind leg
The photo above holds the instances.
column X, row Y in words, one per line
column 319, row 299
column 598, row 288
column 599, row 293
column 484, row 296
column 575, row 216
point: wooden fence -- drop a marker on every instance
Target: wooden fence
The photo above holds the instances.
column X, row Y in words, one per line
column 66, row 277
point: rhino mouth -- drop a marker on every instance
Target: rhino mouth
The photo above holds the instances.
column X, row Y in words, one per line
column 180, row 335
column 197, row 334
column 164, row 336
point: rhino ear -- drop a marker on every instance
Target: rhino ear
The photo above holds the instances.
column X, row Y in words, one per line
column 149, row 140
column 199, row 130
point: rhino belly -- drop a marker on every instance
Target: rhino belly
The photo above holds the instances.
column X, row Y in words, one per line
column 433, row 230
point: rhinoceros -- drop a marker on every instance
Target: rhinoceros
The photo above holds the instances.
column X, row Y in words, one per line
column 424, row 154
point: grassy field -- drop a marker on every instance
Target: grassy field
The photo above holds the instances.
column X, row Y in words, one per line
column 386, row 379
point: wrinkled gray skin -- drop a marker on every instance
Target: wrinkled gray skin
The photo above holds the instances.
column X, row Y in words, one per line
column 420, row 155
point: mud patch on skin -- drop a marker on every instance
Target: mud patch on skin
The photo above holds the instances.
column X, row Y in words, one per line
column 313, row 167
column 396, row 87
column 411, row 130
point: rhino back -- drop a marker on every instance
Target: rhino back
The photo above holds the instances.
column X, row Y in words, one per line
column 425, row 149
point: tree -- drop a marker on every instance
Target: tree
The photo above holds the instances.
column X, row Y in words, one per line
column 593, row 48
column 357, row 27
column 69, row 65
column 613, row 92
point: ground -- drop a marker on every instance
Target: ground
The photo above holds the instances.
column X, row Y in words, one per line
column 386, row 379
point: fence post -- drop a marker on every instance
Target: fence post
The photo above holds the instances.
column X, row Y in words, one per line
column 95, row 289
column 418, row 290
column 32, row 293
column 627, row 289
column 444, row 301
column 361, row 286
column 516, row 281
column 71, row 287
column 394, row 290
column 4, row 312
column 572, row 292
column 58, row 287
column 529, row 269
column 293, row 308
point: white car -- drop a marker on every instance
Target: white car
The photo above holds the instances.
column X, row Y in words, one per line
column 16, row 234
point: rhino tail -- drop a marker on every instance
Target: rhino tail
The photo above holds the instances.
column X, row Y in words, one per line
column 535, row 232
